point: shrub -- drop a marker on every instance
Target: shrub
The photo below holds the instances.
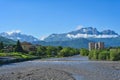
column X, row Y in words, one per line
column 93, row 54
column 114, row 54
column 64, row 52
column 41, row 51
column 51, row 51
column 96, row 54
column 84, row 52
column 32, row 52
column 104, row 55
column 90, row 54
column 3, row 54
column 68, row 52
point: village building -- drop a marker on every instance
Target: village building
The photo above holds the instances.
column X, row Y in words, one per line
column 28, row 46
column 91, row 46
column 8, row 49
column 96, row 46
column 100, row 45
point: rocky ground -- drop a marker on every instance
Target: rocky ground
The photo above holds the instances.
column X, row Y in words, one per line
column 71, row 68
column 37, row 74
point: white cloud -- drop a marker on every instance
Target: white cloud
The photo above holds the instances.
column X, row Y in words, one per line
column 90, row 36
column 13, row 31
column 79, row 27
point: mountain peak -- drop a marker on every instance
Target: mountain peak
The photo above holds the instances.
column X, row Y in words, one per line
column 83, row 32
column 109, row 32
column 90, row 32
column 12, row 32
column 87, row 28
column 17, row 35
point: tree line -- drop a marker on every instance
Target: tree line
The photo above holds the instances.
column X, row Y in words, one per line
column 105, row 54
column 44, row 51
column 59, row 51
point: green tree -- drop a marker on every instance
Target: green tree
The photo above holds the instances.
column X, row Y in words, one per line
column 68, row 52
column 18, row 47
column 96, row 54
column 59, row 48
column 93, row 54
column 90, row 56
column 84, row 52
column 1, row 45
column 64, row 52
column 41, row 51
column 114, row 54
column 104, row 55
column 51, row 51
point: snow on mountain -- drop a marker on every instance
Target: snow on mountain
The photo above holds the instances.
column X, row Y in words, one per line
column 87, row 32
column 17, row 35
column 12, row 32
column 90, row 32
column 42, row 38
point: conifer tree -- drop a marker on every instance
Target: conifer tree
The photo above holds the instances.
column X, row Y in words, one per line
column 18, row 47
column 1, row 45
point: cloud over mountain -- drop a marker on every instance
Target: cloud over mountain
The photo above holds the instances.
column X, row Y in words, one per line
column 83, row 32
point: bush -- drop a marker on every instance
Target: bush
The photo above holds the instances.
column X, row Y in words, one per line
column 65, row 52
column 90, row 54
column 32, row 52
column 84, row 52
column 93, row 54
column 99, row 55
column 114, row 54
column 68, row 52
column 41, row 51
column 51, row 51
column 96, row 54
column 1, row 51
column 3, row 54
column 104, row 55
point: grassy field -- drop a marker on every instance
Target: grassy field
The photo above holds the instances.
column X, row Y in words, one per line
column 15, row 57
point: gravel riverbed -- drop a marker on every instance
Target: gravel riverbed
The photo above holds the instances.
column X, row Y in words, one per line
column 70, row 68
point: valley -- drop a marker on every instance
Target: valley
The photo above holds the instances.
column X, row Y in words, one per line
column 59, row 39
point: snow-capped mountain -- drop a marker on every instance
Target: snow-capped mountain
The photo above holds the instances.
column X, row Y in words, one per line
column 88, row 32
column 17, row 35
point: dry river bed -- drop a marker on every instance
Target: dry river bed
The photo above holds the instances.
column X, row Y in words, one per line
column 70, row 68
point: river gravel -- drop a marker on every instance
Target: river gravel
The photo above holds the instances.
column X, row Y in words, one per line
column 70, row 68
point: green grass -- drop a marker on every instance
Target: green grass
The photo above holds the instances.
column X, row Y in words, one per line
column 18, row 57
column 3, row 54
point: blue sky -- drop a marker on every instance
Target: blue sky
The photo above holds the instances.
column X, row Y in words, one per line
column 44, row 17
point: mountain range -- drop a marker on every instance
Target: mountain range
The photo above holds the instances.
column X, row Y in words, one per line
column 6, row 40
column 18, row 36
column 86, row 33
column 77, row 38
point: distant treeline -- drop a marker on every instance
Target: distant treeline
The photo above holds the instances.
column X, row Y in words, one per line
column 59, row 51
column 42, row 51
column 50, row 51
column 106, row 54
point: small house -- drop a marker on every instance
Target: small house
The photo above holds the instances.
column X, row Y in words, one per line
column 28, row 46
